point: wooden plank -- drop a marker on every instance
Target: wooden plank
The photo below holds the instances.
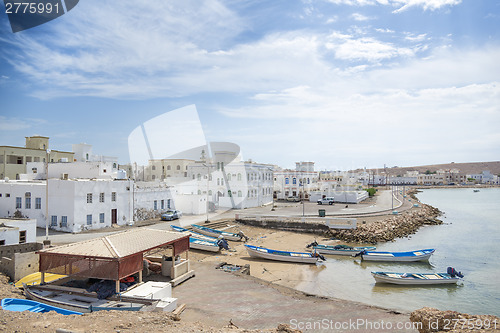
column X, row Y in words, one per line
column 179, row 309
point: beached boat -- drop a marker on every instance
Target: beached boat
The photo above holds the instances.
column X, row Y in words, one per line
column 216, row 233
column 300, row 257
column 199, row 241
column 79, row 300
column 193, row 233
column 36, row 278
column 452, row 276
column 19, row 305
column 343, row 250
column 409, row 256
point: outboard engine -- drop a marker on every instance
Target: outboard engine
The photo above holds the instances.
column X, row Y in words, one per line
column 360, row 253
column 453, row 272
column 319, row 255
column 222, row 243
column 312, row 244
column 242, row 235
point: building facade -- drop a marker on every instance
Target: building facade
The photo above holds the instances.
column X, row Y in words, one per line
column 13, row 160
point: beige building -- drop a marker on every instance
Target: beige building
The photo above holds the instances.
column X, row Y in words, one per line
column 13, row 160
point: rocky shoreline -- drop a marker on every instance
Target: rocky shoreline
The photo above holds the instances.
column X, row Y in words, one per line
column 392, row 227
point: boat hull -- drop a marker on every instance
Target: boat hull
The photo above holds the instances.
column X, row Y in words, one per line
column 216, row 233
column 411, row 279
column 296, row 257
column 36, row 278
column 19, row 305
column 203, row 245
column 412, row 256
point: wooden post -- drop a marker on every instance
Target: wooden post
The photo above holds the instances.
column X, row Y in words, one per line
column 42, row 278
column 117, row 286
column 140, row 276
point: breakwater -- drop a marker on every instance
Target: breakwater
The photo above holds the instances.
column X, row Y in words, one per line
column 390, row 228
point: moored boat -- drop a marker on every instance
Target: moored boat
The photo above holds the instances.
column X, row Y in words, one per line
column 452, row 276
column 343, row 250
column 299, row 257
column 204, row 245
column 216, row 233
column 19, row 305
column 409, row 256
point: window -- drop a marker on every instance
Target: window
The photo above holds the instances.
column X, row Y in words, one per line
column 22, row 237
column 178, row 167
column 64, row 221
column 89, row 219
column 168, row 167
column 228, row 177
column 27, row 203
column 222, row 181
column 101, row 218
column 294, row 181
column 2, row 242
column 210, row 192
column 53, row 221
column 239, row 194
column 155, row 204
column 198, row 177
column 19, row 202
column 168, row 203
column 239, row 176
column 229, row 193
column 7, row 195
column 287, row 181
column 153, row 168
column 113, row 196
column 89, row 197
column 199, row 192
column 218, row 181
column 101, row 197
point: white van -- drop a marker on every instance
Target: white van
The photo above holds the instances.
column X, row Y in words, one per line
column 327, row 200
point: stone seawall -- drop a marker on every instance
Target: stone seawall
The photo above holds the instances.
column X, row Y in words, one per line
column 390, row 228
column 316, row 228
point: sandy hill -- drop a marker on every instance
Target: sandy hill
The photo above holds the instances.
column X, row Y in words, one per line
column 467, row 168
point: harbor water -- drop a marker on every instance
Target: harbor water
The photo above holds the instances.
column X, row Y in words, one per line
column 468, row 240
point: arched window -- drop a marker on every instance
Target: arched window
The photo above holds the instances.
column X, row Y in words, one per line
column 210, row 192
column 229, row 193
column 294, row 181
column 239, row 177
column 218, row 181
column 179, row 167
column 168, row 167
column 194, row 176
column 153, row 168
column 287, row 181
column 239, row 194
column 228, row 177
column 199, row 192
column 198, row 176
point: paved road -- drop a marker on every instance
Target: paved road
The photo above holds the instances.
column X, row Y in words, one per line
column 381, row 203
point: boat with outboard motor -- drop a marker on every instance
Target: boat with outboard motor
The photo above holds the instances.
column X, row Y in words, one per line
column 418, row 255
column 450, row 277
column 343, row 250
column 299, row 257
column 216, row 233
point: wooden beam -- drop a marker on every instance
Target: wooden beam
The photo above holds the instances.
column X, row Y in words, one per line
column 117, row 286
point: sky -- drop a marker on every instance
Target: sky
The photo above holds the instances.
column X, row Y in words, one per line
column 344, row 83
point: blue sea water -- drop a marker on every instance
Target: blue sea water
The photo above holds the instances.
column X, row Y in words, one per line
column 468, row 240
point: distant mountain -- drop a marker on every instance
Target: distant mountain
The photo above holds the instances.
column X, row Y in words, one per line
column 467, row 168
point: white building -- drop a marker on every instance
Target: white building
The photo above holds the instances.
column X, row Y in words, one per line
column 296, row 183
column 83, row 153
column 17, row 231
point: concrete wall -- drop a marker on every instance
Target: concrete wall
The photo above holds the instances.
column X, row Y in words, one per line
column 12, row 229
column 17, row 261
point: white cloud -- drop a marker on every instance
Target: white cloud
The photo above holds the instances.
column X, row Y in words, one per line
column 402, row 4
column 16, row 124
column 359, row 17
column 367, row 48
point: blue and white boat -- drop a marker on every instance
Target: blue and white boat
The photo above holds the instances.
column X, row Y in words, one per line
column 343, row 250
column 418, row 255
column 198, row 241
column 216, row 233
column 193, row 233
column 299, row 257
column 452, row 276
column 19, row 305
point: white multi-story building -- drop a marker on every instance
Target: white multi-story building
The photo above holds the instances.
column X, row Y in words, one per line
column 296, row 183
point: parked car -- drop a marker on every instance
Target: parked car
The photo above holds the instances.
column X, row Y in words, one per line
column 293, row 199
column 171, row 215
column 327, row 200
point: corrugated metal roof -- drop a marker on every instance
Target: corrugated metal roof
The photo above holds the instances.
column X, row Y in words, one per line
column 118, row 245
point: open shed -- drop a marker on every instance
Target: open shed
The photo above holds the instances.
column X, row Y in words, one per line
column 112, row 257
